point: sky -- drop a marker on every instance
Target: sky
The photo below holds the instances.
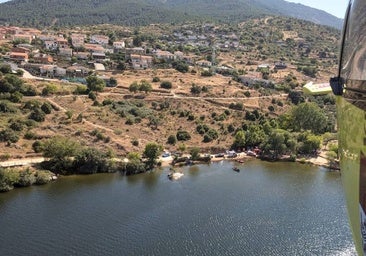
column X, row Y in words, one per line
column 334, row 7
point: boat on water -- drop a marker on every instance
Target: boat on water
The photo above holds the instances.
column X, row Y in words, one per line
column 174, row 175
column 236, row 169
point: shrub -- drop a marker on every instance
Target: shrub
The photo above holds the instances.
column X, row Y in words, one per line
column 69, row 114
column 8, row 135
column 206, row 73
column 46, row 108
column 190, row 117
column 236, row 106
column 37, row 146
column 172, row 139
column 81, row 89
column 107, row 102
column 195, row 89
column 7, row 107
column 156, row 79
column 166, row 85
column 135, row 142
column 37, row 115
column 180, row 66
column 16, row 97
column 29, row 135
column 183, row 136
column 49, row 89
column 42, row 177
column 16, row 126
column 211, row 135
column 32, row 104
column 202, row 128
column 92, row 95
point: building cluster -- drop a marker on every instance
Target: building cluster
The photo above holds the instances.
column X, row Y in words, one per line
column 55, row 55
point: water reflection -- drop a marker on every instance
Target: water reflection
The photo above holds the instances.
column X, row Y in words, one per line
column 151, row 179
column 266, row 209
column 193, row 170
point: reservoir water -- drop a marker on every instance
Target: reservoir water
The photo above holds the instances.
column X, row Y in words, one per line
column 265, row 209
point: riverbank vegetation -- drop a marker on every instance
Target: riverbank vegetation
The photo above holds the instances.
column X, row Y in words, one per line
column 20, row 177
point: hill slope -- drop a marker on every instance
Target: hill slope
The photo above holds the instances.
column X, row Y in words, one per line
column 142, row 12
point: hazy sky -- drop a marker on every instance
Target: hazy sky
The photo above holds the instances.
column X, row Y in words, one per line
column 335, row 7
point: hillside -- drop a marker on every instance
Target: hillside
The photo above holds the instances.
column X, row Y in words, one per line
column 143, row 12
column 209, row 107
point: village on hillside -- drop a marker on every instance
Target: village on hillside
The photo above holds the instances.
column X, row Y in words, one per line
column 210, row 91
column 74, row 54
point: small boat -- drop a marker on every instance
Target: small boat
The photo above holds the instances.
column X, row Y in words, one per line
column 236, row 169
column 174, row 175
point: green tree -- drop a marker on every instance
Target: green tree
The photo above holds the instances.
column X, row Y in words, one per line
column 183, row 136
column 145, row 86
column 12, row 83
column 296, row 97
column 172, row 140
column 309, row 143
column 16, row 97
column 134, row 87
column 275, row 144
column 254, row 135
column 182, row 147
column 196, row 89
column 37, row 115
column 60, row 150
column 152, row 152
column 89, row 161
column 133, row 156
column 49, row 89
column 239, row 140
column 195, row 153
column 134, row 166
column 112, row 82
column 5, row 68
column 180, row 66
column 8, row 135
column 37, row 146
column 308, row 116
column 166, row 84
column 46, row 108
column 95, row 83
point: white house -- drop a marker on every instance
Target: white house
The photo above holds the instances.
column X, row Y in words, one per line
column 99, row 39
column 119, row 45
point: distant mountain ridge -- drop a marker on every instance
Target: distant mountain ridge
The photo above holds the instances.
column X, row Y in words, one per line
column 142, row 12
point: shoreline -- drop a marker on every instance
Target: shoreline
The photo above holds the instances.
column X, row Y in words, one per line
column 319, row 160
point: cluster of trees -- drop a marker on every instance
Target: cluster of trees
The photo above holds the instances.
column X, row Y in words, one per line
column 296, row 132
column 17, row 124
column 67, row 156
column 12, row 87
column 196, row 89
column 142, row 86
column 129, row 13
column 10, row 178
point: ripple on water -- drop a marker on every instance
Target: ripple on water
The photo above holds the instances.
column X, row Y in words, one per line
column 266, row 209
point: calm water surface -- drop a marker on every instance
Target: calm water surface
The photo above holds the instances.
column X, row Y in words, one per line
column 266, row 209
